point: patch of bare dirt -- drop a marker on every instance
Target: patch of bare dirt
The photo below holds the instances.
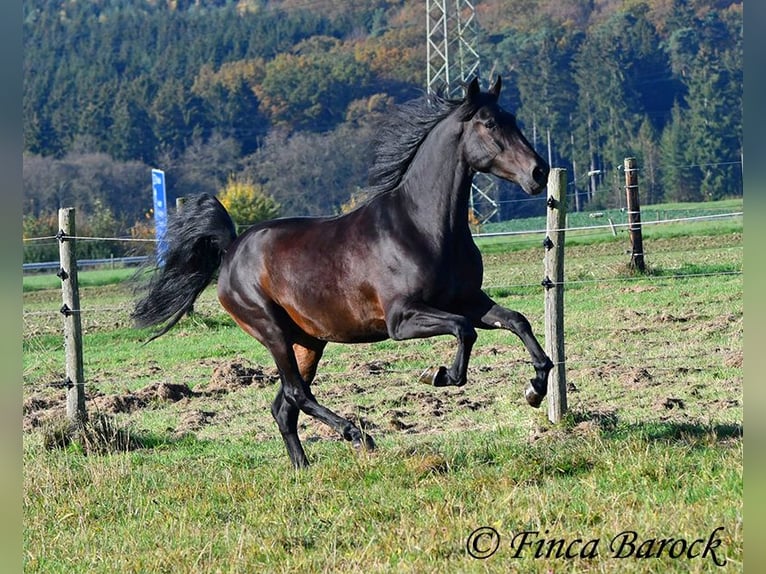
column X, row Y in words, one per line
column 38, row 403
column 734, row 359
column 425, row 402
column 234, row 376
column 638, row 377
column 670, row 318
column 142, row 398
column 589, row 423
column 192, row 421
column 226, row 378
column 372, row 367
column 600, row 372
column 315, row 430
column 670, row 403
column 638, row 289
column 37, row 411
column 397, row 420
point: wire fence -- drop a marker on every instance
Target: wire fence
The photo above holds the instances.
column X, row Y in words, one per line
column 479, row 235
column 610, row 226
column 668, row 362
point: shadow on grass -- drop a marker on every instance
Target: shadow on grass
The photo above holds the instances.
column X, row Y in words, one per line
column 687, row 432
column 660, row 431
column 100, row 435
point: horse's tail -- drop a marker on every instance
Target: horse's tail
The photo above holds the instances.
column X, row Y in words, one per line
column 196, row 238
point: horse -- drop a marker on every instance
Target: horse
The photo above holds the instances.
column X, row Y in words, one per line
column 402, row 265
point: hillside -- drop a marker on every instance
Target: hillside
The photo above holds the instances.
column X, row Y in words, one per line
column 285, row 94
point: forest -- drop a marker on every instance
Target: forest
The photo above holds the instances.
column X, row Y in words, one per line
column 285, row 95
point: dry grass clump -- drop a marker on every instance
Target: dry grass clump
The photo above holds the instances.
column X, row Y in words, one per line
column 97, row 435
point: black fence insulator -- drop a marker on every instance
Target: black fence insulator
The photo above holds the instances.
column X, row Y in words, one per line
column 63, row 275
column 547, row 243
column 547, row 283
column 551, row 203
column 65, row 310
column 61, row 236
column 65, row 384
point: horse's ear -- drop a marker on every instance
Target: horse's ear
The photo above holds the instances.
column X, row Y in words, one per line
column 473, row 89
column 495, row 89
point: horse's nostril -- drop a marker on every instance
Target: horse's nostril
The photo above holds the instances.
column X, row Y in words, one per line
column 540, row 175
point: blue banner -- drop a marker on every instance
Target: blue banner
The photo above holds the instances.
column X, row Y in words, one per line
column 160, row 213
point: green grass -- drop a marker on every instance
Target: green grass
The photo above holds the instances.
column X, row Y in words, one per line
column 650, row 214
column 600, row 231
column 236, row 507
column 85, row 278
column 652, row 442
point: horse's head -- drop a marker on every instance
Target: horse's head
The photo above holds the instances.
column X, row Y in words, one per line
column 494, row 144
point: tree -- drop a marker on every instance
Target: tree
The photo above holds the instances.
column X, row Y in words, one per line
column 715, row 113
column 132, row 134
column 100, row 222
column 40, row 136
column 543, row 77
column 311, row 87
column 207, row 88
column 204, row 166
column 247, row 203
column 231, row 104
column 649, row 157
column 170, row 115
column 313, row 174
column 678, row 182
column 621, row 71
column 34, row 229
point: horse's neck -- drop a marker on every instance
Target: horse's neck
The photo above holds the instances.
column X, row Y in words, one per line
column 437, row 184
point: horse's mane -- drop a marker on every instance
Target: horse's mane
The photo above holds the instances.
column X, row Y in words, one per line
column 401, row 134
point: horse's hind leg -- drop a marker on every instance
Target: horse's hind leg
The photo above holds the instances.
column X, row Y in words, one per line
column 285, row 413
column 497, row 317
column 307, row 356
column 271, row 326
column 296, row 395
column 286, row 416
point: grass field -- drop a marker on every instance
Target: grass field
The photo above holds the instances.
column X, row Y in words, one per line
column 651, row 449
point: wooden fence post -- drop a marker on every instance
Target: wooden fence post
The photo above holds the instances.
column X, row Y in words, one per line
column 554, row 293
column 75, row 379
column 634, row 215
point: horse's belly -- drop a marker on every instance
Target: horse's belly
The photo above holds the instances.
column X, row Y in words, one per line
column 339, row 319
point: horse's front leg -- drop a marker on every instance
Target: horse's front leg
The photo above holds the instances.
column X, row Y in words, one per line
column 493, row 316
column 419, row 321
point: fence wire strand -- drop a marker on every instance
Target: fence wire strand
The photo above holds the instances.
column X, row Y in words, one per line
column 477, row 235
column 659, row 363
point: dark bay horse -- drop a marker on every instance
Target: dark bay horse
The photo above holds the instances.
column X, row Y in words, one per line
column 403, row 265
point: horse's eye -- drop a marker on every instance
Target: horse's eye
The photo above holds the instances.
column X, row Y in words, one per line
column 490, row 124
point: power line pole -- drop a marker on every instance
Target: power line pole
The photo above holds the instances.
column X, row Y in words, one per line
column 451, row 40
column 452, row 37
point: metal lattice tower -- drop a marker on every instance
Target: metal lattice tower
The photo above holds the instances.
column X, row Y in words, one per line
column 451, row 40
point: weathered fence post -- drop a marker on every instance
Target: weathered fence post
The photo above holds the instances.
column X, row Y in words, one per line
column 634, row 215
column 75, row 379
column 554, row 293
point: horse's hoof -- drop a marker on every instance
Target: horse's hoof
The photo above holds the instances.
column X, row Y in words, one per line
column 435, row 377
column 364, row 443
column 300, row 464
column 533, row 397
